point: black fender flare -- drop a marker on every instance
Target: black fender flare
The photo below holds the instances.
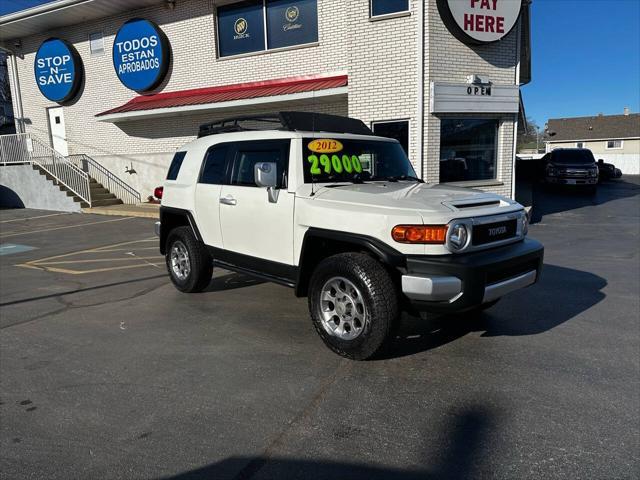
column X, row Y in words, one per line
column 314, row 250
column 170, row 218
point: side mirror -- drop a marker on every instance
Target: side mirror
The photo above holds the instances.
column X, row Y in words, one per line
column 266, row 176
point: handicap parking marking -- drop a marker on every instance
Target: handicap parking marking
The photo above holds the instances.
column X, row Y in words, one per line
column 11, row 248
column 119, row 256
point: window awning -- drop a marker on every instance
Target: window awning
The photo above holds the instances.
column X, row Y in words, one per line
column 201, row 100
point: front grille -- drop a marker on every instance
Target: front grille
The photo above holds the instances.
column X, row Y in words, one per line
column 494, row 232
column 574, row 173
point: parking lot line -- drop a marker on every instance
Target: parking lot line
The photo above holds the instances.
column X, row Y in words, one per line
column 55, row 263
column 15, row 234
column 33, row 218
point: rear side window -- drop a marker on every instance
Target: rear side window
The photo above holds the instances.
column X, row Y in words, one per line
column 214, row 165
column 250, row 153
column 176, row 163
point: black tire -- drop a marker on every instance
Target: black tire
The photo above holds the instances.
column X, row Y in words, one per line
column 200, row 262
column 379, row 297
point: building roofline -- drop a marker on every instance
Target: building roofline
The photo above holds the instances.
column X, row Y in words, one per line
column 561, row 119
column 591, row 139
column 39, row 10
column 61, row 13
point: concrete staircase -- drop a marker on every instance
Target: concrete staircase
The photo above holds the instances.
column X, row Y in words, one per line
column 100, row 196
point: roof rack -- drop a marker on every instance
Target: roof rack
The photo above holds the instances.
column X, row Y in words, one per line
column 288, row 121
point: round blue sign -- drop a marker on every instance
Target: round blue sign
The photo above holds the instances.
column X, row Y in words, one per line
column 140, row 55
column 58, row 70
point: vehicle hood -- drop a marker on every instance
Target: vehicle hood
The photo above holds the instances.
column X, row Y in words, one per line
column 422, row 197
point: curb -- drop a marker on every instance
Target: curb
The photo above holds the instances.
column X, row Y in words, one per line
column 125, row 211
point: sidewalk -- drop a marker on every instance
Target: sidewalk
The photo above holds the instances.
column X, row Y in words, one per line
column 145, row 210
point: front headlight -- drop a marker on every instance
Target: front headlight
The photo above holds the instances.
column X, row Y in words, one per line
column 458, row 236
column 593, row 172
column 524, row 220
column 551, row 172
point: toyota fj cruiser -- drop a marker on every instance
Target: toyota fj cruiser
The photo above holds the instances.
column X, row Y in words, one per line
column 318, row 203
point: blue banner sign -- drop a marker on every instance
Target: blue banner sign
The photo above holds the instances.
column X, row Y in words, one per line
column 292, row 22
column 241, row 28
column 141, row 54
column 58, row 70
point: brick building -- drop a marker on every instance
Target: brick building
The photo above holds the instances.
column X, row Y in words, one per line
column 442, row 76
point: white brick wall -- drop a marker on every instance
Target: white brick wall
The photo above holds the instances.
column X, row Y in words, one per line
column 380, row 58
column 449, row 60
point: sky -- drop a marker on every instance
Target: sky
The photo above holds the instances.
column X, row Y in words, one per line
column 586, row 57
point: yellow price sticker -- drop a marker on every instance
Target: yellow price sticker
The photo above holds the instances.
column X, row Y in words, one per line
column 325, row 145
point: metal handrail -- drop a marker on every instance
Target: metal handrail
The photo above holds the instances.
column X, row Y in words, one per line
column 21, row 148
column 111, row 182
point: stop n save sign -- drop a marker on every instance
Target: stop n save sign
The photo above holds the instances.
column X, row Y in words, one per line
column 479, row 21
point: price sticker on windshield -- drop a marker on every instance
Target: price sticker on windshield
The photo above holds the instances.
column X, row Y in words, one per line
column 334, row 164
column 325, row 145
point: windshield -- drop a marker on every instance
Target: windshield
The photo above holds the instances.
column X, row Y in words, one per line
column 347, row 160
column 573, row 157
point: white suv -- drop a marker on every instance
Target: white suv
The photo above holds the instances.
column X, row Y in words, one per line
column 317, row 203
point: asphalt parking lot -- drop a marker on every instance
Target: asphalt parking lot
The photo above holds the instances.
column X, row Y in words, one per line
column 106, row 371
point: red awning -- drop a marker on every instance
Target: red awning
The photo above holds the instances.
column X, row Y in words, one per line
column 227, row 93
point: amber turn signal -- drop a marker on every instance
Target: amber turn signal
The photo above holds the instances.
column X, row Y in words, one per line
column 432, row 234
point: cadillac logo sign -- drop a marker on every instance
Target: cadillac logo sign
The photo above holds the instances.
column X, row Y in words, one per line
column 292, row 14
column 479, row 21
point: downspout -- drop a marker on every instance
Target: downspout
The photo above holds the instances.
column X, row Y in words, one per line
column 515, row 123
column 421, row 96
column 16, row 95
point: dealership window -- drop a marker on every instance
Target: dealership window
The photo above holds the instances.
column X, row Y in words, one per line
column 291, row 22
column 259, row 25
column 241, row 28
column 398, row 130
column 468, row 149
column 614, row 144
column 96, row 43
column 388, row 7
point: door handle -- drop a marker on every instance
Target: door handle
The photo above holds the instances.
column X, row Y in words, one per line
column 228, row 200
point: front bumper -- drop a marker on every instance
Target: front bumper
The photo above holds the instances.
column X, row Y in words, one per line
column 572, row 180
column 455, row 283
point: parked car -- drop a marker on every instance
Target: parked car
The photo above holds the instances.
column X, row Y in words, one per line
column 571, row 167
column 608, row 171
column 319, row 204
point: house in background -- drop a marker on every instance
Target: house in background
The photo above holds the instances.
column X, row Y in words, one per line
column 613, row 138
